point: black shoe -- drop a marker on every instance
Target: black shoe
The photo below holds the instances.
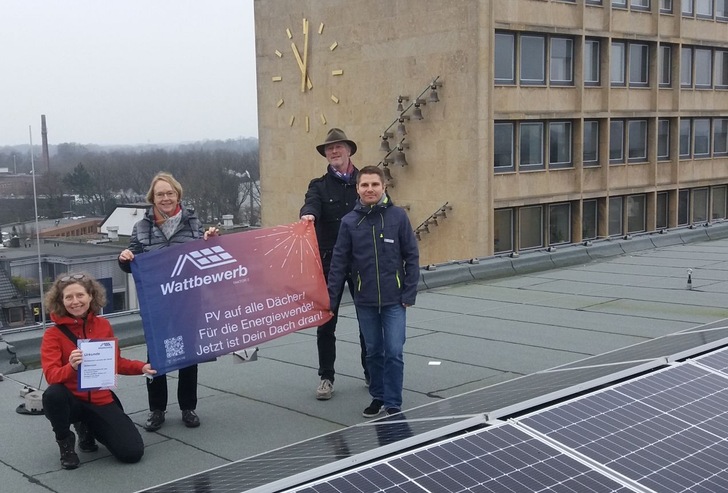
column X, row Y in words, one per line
column 374, row 409
column 69, row 459
column 190, row 418
column 154, row 420
column 392, row 410
column 86, row 442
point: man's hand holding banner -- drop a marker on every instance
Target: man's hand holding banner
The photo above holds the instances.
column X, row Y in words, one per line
column 203, row 299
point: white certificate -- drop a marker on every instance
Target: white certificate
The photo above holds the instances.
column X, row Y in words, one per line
column 98, row 366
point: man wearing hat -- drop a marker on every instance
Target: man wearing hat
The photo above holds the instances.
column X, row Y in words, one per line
column 328, row 199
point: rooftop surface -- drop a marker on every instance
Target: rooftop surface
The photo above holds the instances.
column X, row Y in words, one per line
column 461, row 337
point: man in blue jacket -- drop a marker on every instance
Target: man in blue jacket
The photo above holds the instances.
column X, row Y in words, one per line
column 377, row 246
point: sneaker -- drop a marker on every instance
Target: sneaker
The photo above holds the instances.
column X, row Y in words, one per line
column 324, row 390
column 373, row 410
column 392, row 410
column 69, row 459
column 190, row 418
column 154, row 420
column 86, row 442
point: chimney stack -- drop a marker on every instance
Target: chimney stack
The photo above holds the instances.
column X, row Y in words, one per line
column 44, row 134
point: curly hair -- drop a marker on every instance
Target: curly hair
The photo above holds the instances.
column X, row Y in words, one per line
column 54, row 296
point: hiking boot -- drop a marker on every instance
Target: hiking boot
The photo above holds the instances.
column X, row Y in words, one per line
column 373, row 410
column 324, row 390
column 69, row 459
column 190, row 418
column 154, row 420
column 86, row 442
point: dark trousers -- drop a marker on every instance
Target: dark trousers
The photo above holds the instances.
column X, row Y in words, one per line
column 108, row 424
column 186, row 390
column 326, row 333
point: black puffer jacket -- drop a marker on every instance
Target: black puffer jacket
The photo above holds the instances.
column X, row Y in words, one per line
column 146, row 236
column 329, row 199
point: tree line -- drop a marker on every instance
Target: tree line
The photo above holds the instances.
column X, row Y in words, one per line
column 218, row 177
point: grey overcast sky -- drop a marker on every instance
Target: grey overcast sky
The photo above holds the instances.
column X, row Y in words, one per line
column 127, row 72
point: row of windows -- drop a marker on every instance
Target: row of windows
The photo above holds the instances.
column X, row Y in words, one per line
column 702, row 9
column 539, row 226
column 628, row 141
column 629, row 62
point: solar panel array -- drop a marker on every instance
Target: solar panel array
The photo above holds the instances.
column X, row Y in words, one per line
column 666, row 431
column 624, row 413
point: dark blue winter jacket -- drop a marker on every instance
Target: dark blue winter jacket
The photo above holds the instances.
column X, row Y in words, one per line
column 377, row 245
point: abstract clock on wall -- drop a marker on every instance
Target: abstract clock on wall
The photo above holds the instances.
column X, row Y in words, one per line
column 309, row 52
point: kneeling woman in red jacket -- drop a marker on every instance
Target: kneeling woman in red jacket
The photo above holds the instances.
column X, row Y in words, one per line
column 74, row 302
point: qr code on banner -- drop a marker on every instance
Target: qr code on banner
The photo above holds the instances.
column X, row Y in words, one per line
column 174, row 346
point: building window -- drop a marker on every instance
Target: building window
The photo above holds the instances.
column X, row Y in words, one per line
column 663, row 139
column 617, row 64
column 615, row 216
column 593, row 2
column 666, row 6
column 686, row 67
column 638, row 64
column 503, row 146
column 720, row 136
column 560, row 145
column 636, row 214
column 701, row 130
column 719, row 195
column 721, row 68
column 703, row 68
column 505, row 58
column 589, row 219
column 637, row 138
column 561, row 62
column 559, row 224
column 721, row 9
column 503, row 230
column 530, row 227
column 687, row 8
column 616, row 141
column 592, row 61
column 685, row 138
column 531, row 146
column 591, row 143
column 15, row 315
column 619, row 3
column 665, row 65
column 662, row 212
column 700, row 205
column 704, row 8
column 683, row 207
column 532, row 59
column 640, row 4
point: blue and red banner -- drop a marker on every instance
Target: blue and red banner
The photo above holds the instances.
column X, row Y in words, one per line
column 202, row 299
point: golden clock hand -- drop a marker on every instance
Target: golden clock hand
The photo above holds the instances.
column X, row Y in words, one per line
column 300, row 64
column 304, row 75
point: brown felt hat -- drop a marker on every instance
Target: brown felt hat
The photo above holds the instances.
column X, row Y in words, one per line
column 335, row 135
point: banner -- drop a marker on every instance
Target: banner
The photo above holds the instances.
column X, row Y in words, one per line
column 205, row 298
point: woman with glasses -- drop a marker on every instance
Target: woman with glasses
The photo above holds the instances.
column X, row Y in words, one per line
column 167, row 223
column 74, row 302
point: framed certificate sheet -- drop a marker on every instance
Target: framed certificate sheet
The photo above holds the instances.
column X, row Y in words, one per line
column 98, row 367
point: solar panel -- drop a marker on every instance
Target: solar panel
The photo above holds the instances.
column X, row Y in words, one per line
column 500, row 458
column 666, row 430
column 717, row 360
column 309, row 455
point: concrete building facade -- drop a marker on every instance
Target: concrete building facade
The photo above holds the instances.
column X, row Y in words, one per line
column 544, row 122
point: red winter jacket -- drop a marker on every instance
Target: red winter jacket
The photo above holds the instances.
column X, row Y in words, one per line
column 55, row 349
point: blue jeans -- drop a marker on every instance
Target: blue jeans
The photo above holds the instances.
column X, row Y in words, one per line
column 384, row 334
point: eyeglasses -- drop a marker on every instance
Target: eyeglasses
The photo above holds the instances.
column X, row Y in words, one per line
column 73, row 277
column 161, row 195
